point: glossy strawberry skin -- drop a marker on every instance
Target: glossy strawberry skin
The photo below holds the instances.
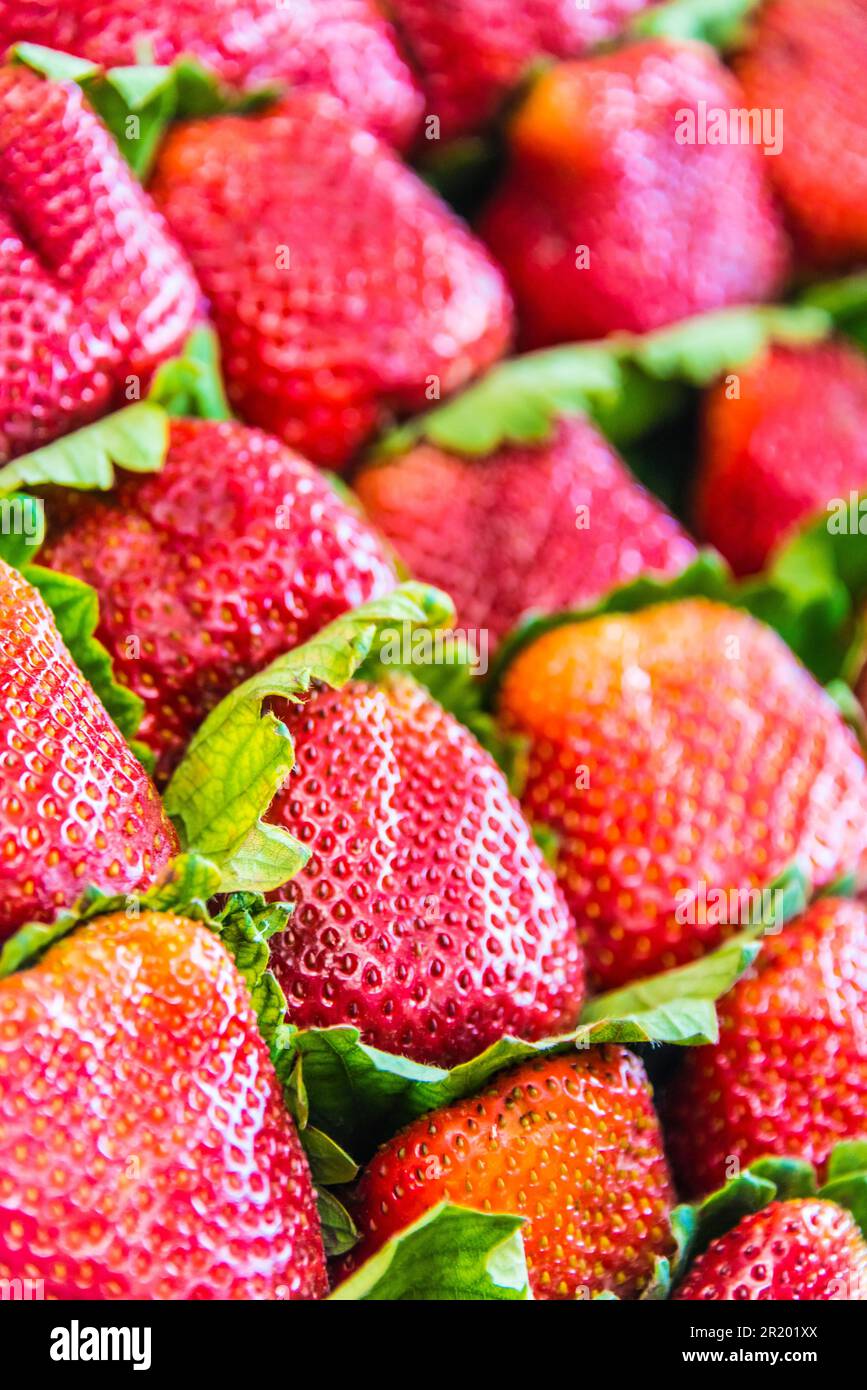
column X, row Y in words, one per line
column 94, row 290
column 571, row 1143
column 76, row 807
column 789, row 1073
column 675, row 751
column 668, row 229
column 808, row 61
column 237, row 551
column 145, row 1149
column 472, row 53
column 793, row 440
column 340, row 46
column 528, row 528
column 807, row 1249
column 426, row 915
column 341, row 287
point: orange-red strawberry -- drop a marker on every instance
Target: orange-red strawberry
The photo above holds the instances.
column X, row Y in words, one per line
column 340, row 286
column 807, row 61
column 525, row 528
column 76, row 807
column 677, row 752
column 345, row 47
column 426, row 915
column 791, row 441
column 572, row 1143
column 145, row 1149
column 789, row 1073
column 807, row 1248
column 607, row 220
column 237, row 551
column 473, row 53
column 93, row 288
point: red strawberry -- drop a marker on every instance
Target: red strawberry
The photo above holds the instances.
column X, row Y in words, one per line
column 93, row 288
column 674, row 751
column 807, row 60
column 606, row 221
column 794, row 439
column 789, row 1073
column 341, row 287
column 76, row 807
column 472, row 53
column 238, row 550
column 528, row 527
column 145, row 1149
column 340, row 46
column 802, row 1249
column 426, row 915
column 572, row 1143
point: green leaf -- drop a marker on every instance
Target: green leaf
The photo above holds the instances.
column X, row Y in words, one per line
column 330, row 1165
column 846, row 1179
column 76, row 612
column 339, row 1232
column 135, row 438
column 845, row 300
column 722, row 23
column 192, row 385
column 185, row 887
column 23, row 529
column 450, row 1254
column 627, row 383
column 241, row 756
column 51, row 63
column 245, row 926
column 846, row 1159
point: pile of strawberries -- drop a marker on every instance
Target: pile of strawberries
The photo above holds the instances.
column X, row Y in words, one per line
column 443, row 880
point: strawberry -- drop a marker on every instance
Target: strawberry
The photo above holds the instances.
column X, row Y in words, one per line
column 238, row 550
column 473, row 53
column 345, row 47
column 803, row 1249
column 341, row 287
column 76, row 806
column 807, row 61
column 789, row 1073
column 791, row 441
column 145, row 1150
column 572, row 1143
column 525, row 528
column 93, row 288
column 673, row 751
column 426, row 915
column 607, row 221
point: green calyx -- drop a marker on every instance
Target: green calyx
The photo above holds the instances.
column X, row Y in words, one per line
column 722, row 23
column 361, row 1095
column 242, row 753
column 627, row 383
column 139, row 102
column 696, row 1225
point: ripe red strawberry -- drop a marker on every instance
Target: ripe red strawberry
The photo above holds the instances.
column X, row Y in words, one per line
column 237, row 551
column 76, row 807
column 528, row 527
column 606, row 221
column 674, row 751
column 808, row 61
column 345, row 47
column 572, row 1143
column 793, row 440
column 473, row 53
column 340, row 286
column 93, row 288
column 145, row 1149
column 426, row 915
column 802, row 1249
column 789, row 1073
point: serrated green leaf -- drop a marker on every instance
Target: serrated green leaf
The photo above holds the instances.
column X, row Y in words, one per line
column 701, row 349
column 706, row 979
column 76, row 612
column 339, row 1232
column 450, row 1254
column 135, row 438
column 240, row 756
column 722, row 23
column 191, row 385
